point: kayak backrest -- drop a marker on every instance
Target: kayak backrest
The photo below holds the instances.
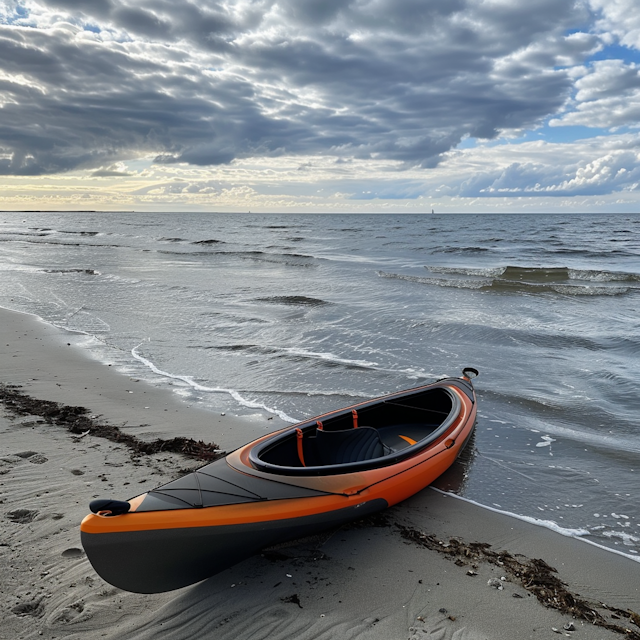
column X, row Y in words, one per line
column 341, row 447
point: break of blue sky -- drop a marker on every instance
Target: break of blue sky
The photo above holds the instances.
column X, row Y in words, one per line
column 557, row 134
column 616, row 52
column 320, row 105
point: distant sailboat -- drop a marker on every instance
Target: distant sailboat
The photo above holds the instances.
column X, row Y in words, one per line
column 432, row 211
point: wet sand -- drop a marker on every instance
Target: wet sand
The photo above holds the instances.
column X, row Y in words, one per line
column 370, row 580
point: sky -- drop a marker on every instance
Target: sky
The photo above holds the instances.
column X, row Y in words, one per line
column 320, row 105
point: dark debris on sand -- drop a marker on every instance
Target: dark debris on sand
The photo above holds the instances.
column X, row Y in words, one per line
column 375, row 520
column 535, row 575
column 77, row 421
column 294, row 599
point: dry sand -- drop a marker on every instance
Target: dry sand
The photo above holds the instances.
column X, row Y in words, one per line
column 363, row 581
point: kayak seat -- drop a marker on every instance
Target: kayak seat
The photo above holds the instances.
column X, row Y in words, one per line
column 342, row 447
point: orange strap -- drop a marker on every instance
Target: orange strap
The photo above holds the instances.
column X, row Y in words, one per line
column 299, row 437
column 319, row 425
column 408, row 439
column 354, row 413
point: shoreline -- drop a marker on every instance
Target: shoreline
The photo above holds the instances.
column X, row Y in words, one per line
column 544, row 524
column 362, row 581
column 44, row 360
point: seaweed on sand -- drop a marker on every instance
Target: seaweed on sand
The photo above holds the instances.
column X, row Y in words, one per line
column 78, row 421
column 535, row 575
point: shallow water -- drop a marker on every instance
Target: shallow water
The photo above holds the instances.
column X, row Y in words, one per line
column 302, row 314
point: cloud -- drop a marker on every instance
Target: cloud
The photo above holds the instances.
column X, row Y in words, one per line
column 595, row 166
column 608, row 95
column 620, row 19
column 86, row 84
column 113, row 171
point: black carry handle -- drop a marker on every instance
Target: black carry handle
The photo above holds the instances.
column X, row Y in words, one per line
column 106, row 507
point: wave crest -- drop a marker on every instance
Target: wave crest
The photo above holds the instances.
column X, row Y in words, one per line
column 531, row 280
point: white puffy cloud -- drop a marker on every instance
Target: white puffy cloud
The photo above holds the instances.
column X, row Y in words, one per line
column 619, row 18
column 607, row 95
column 595, row 166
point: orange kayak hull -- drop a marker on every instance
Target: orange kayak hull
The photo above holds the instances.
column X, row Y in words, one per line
column 263, row 494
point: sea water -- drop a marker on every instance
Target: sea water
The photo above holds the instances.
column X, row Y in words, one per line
column 300, row 314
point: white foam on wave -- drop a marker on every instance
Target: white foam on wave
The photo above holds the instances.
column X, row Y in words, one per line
column 627, row 538
column 439, row 282
column 468, row 271
column 631, row 443
column 547, row 524
column 602, row 276
column 589, row 290
column 410, row 372
column 199, row 387
column 329, row 357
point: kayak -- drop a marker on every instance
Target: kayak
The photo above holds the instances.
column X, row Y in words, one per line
column 312, row 476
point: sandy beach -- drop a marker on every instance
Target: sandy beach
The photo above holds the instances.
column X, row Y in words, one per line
column 393, row 577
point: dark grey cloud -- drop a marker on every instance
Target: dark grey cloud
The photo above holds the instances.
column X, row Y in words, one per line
column 205, row 83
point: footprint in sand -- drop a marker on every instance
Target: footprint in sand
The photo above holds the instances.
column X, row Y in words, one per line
column 30, row 608
column 70, row 613
column 32, row 456
column 22, row 516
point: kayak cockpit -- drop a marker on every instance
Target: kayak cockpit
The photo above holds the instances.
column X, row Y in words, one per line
column 369, row 435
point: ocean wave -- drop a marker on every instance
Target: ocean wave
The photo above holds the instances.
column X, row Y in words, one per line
column 249, row 254
column 540, row 274
column 28, row 234
column 89, row 272
column 288, row 259
column 586, row 253
column 531, row 280
column 322, row 359
column 459, row 284
column 236, row 395
column 210, row 241
column 314, row 393
column 62, row 243
column 330, row 358
column 462, row 250
column 235, row 348
column 603, row 276
column 488, row 272
column 586, row 422
column 564, row 289
column 304, row 301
